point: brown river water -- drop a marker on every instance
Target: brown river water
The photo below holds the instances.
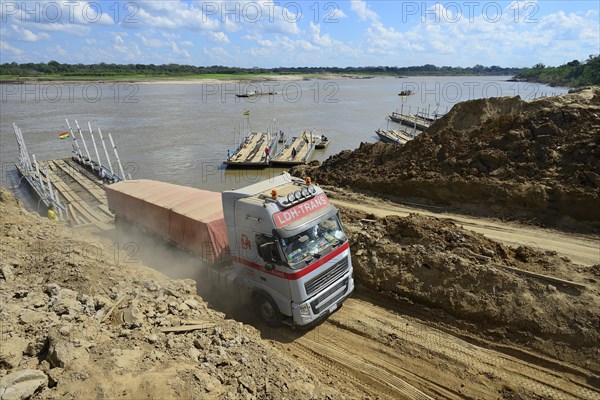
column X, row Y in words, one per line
column 180, row 133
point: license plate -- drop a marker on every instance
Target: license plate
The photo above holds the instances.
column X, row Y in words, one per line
column 333, row 308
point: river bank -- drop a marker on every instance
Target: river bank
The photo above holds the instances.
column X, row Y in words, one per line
column 536, row 161
column 174, row 80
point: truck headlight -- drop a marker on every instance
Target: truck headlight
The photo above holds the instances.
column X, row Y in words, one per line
column 304, row 310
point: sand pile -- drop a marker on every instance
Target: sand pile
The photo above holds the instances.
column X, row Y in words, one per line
column 504, row 156
column 78, row 321
column 438, row 264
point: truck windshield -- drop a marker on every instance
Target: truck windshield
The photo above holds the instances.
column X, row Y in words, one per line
column 312, row 242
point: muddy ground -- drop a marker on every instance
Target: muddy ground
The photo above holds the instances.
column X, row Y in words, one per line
column 536, row 161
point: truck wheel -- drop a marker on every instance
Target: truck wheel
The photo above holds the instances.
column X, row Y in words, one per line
column 267, row 309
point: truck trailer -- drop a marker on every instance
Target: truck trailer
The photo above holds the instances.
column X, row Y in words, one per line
column 280, row 241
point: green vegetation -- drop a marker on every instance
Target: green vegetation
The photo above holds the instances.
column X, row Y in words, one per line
column 573, row 73
column 55, row 71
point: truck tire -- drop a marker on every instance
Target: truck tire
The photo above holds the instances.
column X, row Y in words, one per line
column 267, row 309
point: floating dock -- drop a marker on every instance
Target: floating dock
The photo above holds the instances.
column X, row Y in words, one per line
column 73, row 187
column 393, row 136
column 251, row 151
column 422, row 120
column 287, row 157
column 413, row 121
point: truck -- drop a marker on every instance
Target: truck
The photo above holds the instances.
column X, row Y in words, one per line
column 279, row 241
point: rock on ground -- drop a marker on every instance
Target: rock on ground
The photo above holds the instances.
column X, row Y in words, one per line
column 21, row 385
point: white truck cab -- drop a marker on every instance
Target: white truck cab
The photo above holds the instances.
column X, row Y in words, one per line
column 288, row 247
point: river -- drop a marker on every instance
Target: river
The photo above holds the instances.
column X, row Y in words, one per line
column 180, row 133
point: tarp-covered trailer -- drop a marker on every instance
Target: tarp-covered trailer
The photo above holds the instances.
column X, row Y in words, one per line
column 191, row 218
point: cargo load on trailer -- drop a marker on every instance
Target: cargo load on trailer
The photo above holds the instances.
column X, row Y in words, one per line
column 189, row 217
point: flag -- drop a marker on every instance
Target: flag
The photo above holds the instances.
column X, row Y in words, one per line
column 246, row 112
column 64, row 135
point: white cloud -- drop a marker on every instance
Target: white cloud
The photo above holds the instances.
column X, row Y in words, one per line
column 71, row 29
column 218, row 37
column 169, row 35
column 11, row 49
column 315, row 34
column 130, row 51
column 26, row 35
column 177, row 51
column 363, row 11
column 175, row 15
column 150, row 42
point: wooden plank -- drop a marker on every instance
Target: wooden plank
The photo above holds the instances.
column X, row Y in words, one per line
column 104, row 208
column 110, row 311
column 82, row 180
column 186, row 328
column 73, row 214
column 74, row 199
column 543, row 277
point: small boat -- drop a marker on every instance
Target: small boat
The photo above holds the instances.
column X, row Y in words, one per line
column 393, row 136
column 322, row 143
column 253, row 93
column 405, row 93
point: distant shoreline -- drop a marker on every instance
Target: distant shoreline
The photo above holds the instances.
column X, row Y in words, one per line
column 209, row 79
column 175, row 80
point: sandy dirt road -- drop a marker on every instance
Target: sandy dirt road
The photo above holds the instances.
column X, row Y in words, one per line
column 377, row 353
column 582, row 249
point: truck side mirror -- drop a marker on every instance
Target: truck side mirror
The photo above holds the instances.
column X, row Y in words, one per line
column 265, row 251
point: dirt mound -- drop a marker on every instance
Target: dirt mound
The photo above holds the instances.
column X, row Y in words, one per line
column 505, row 156
column 80, row 322
column 436, row 263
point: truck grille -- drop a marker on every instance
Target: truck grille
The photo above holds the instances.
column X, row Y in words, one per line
column 324, row 279
column 317, row 306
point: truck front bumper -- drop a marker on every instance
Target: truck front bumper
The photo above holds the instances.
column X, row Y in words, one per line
column 324, row 303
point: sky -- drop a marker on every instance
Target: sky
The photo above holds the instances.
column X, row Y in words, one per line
column 300, row 33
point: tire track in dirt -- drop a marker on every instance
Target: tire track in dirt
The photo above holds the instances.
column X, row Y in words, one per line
column 373, row 372
column 512, row 371
column 385, row 354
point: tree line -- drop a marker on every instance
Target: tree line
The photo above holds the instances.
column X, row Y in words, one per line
column 152, row 70
column 573, row 74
